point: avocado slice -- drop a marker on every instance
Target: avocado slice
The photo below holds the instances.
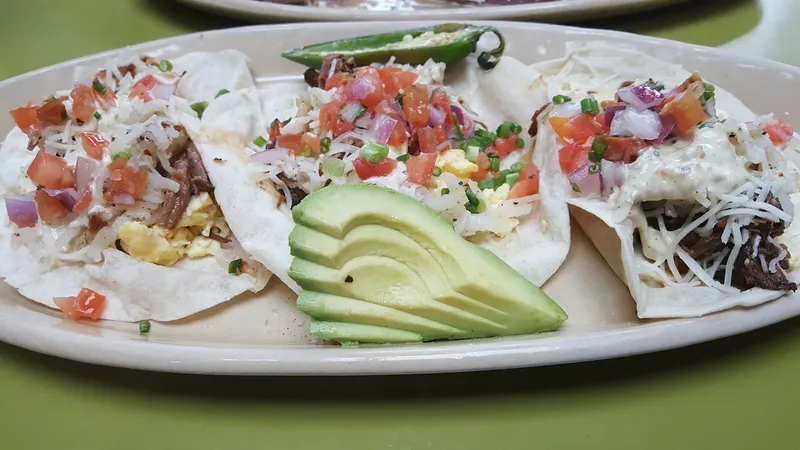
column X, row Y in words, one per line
column 377, row 266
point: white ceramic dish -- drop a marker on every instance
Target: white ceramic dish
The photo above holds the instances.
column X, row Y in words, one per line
column 266, row 335
column 254, row 10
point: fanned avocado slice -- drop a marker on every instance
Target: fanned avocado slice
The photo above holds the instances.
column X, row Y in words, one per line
column 377, row 266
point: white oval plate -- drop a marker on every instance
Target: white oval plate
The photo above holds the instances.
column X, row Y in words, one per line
column 266, row 335
column 255, row 10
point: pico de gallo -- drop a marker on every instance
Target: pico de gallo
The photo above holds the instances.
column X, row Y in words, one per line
column 400, row 127
column 108, row 165
column 708, row 196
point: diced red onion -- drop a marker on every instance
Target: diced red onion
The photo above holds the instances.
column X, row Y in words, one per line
column 22, row 211
column 67, row 197
column 612, row 174
column 384, row 126
column 667, row 125
column 612, row 111
column 643, row 124
column 123, row 198
column 468, row 128
column 360, row 88
column 459, row 114
column 394, row 106
column 710, row 108
column 640, row 96
column 163, row 91
column 588, row 183
column 444, row 145
column 365, row 120
column 450, row 132
column 84, row 170
column 270, row 156
column 436, row 116
column 351, row 110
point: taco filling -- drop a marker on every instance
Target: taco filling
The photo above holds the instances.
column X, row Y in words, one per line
column 109, row 165
column 400, row 127
column 707, row 195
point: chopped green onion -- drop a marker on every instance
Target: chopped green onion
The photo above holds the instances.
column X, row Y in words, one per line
column 221, row 93
column 520, row 142
column 594, row 168
column 98, row 86
column 234, row 266
column 507, row 128
column 144, row 327
column 486, row 184
column 517, row 167
column 598, row 149
column 260, row 141
column 494, row 163
column 472, row 153
column 97, row 115
column 373, row 153
column 325, row 145
column 165, row 66
column 437, row 171
column 512, row 178
column 575, row 187
column 399, row 98
column 473, row 203
column 708, row 91
column 590, row 106
column 561, row 99
column 199, row 108
column 404, row 158
column 706, row 124
column 285, row 122
column 659, row 87
column 459, row 133
column 123, row 154
column 445, row 191
column 333, row 167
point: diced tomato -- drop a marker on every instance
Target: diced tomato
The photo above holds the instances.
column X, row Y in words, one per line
column 484, row 165
column 441, row 135
column 338, row 80
column 365, row 170
column 625, row 149
column 780, row 133
column 88, row 304
column 141, row 89
column 574, row 155
column 84, row 103
column 420, row 168
column 124, row 179
column 415, row 105
column 26, row 119
column 51, row 211
column 330, row 119
column 96, row 223
column 687, row 111
column 94, row 144
column 503, row 147
column 527, row 184
column 370, row 77
column 52, row 113
column 576, row 129
column 302, row 144
column 310, row 145
column 395, row 79
column 84, row 201
column 50, row 171
column 274, row 130
column 440, row 99
column 398, row 136
column 427, row 139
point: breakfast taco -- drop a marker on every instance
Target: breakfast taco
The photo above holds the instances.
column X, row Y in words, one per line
column 687, row 193
column 108, row 209
column 395, row 125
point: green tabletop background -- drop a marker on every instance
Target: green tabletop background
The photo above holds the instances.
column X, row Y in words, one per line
column 737, row 393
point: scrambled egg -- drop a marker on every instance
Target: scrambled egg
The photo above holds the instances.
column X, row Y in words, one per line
column 455, row 161
column 498, row 195
column 190, row 238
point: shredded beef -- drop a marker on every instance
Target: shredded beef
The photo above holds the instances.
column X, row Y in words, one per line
column 190, row 173
column 534, row 128
column 331, row 64
column 698, row 247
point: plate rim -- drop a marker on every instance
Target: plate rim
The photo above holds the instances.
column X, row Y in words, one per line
column 253, row 9
column 455, row 356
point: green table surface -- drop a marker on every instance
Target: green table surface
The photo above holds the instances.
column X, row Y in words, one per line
column 737, row 393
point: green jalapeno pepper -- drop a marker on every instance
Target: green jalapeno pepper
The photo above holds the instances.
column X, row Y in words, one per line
column 449, row 42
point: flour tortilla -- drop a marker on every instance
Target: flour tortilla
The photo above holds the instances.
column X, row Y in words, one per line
column 134, row 290
column 262, row 222
column 601, row 67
